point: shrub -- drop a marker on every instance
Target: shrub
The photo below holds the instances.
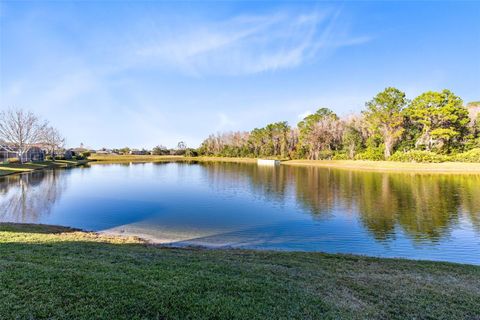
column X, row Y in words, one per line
column 191, row 152
column 418, row 156
column 340, row 156
column 85, row 154
column 325, row 155
column 13, row 160
column 59, row 158
column 469, row 156
column 49, row 158
column 371, row 153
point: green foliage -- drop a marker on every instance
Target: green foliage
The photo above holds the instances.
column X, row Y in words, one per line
column 372, row 153
column 434, row 121
column 191, row 152
column 85, row 154
column 442, row 118
column 418, row 156
column 340, row 156
column 160, row 151
column 325, row 155
column 352, row 141
column 468, row 156
column 385, row 115
column 309, row 121
column 317, row 134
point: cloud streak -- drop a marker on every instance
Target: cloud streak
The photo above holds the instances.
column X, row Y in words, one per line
column 246, row 45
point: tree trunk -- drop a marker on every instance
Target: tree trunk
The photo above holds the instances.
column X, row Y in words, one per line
column 388, row 147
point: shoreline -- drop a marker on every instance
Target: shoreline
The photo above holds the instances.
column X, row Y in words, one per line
column 392, row 166
column 17, row 168
column 131, row 237
column 361, row 165
column 124, row 277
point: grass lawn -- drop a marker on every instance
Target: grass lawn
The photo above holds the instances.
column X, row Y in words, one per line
column 443, row 167
column 10, row 168
column 53, row 272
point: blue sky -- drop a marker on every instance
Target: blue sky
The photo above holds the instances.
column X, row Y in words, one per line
column 139, row 74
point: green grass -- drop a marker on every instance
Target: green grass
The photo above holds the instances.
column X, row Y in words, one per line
column 56, row 273
column 11, row 168
column 392, row 166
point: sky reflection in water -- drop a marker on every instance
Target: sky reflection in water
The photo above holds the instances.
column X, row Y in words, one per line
column 421, row 216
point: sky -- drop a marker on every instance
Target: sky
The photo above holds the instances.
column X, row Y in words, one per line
column 146, row 73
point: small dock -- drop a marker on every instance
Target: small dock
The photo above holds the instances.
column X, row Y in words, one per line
column 268, row 162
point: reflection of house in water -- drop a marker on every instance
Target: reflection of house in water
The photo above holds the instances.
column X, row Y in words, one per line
column 24, row 198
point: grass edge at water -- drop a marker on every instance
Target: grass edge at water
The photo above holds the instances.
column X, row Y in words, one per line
column 56, row 272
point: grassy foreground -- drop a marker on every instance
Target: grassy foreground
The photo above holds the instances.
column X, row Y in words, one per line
column 11, row 168
column 53, row 272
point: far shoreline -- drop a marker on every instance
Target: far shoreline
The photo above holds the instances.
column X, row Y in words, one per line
column 360, row 165
column 7, row 169
column 465, row 168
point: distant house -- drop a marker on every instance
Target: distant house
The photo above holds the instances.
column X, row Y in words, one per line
column 139, row 152
column 6, row 153
column 75, row 152
column 104, row 151
column 33, row 154
column 68, row 154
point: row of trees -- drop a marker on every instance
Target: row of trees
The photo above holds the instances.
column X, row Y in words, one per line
column 160, row 150
column 434, row 122
column 21, row 130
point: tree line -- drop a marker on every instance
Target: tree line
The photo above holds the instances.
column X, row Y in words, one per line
column 435, row 126
column 21, row 130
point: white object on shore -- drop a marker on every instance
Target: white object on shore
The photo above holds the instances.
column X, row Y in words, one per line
column 268, row 162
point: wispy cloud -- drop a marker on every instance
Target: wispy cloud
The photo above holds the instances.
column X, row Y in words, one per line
column 303, row 115
column 248, row 44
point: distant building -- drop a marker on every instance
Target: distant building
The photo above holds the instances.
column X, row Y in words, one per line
column 34, row 153
column 139, row 152
column 75, row 152
column 6, row 153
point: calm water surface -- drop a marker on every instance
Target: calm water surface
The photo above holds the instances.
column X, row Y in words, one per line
column 420, row 216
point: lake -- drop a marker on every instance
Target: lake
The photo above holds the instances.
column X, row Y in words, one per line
column 242, row 205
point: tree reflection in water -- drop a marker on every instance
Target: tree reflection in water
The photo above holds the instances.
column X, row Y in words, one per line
column 425, row 206
column 24, row 197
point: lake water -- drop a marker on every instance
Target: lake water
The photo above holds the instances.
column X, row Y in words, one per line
column 419, row 216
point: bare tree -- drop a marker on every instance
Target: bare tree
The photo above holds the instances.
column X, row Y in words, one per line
column 53, row 140
column 21, row 129
column 325, row 135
